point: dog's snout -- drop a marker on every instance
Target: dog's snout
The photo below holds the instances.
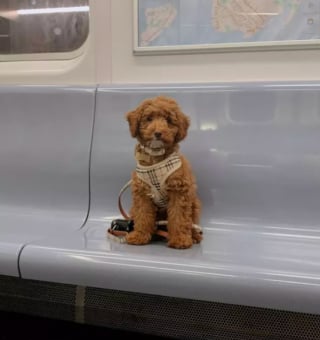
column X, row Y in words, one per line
column 158, row 134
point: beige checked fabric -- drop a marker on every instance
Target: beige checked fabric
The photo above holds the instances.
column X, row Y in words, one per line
column 156, row 175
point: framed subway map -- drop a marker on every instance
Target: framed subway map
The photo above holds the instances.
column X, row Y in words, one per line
column 191, row 26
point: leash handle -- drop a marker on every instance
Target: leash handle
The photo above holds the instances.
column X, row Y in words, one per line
column 125, row 187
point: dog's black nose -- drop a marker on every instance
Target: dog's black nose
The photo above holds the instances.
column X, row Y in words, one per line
column 157, row 135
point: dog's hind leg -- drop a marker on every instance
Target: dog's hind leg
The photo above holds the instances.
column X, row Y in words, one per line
column 196, row 210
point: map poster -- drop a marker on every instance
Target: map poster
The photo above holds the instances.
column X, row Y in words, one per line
column 191, row 26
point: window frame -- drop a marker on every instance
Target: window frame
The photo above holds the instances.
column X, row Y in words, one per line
column 48, row 56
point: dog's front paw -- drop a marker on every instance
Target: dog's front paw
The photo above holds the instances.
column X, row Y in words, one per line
column 181, row 242
column 138, row 238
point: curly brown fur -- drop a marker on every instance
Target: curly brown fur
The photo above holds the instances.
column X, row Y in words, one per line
column 158, row 123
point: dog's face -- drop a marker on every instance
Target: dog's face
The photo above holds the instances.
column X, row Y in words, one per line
column 158, row 122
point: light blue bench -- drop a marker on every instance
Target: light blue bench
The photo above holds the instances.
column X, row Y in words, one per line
column 45, row 135
column 254, row 149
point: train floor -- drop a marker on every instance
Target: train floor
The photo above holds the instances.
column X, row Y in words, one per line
column 17, row 326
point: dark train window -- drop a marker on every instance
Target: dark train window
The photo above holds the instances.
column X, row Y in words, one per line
column 42, row 26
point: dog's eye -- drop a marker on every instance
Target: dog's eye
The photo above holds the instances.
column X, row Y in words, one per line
column 149, row 119
column 169, row 120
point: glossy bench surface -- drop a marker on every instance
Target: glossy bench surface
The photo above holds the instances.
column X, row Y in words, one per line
column 45, row 135
column 254, row 149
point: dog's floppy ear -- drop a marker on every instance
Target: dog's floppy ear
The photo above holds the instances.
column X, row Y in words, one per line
column 133, row 120
column 183, row 125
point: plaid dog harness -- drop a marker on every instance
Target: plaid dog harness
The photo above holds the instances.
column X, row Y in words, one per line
column 156, row 175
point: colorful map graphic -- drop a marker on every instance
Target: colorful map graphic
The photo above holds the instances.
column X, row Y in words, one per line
column 189, row 22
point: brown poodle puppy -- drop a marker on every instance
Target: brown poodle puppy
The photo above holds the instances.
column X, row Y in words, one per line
column 163, row 186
